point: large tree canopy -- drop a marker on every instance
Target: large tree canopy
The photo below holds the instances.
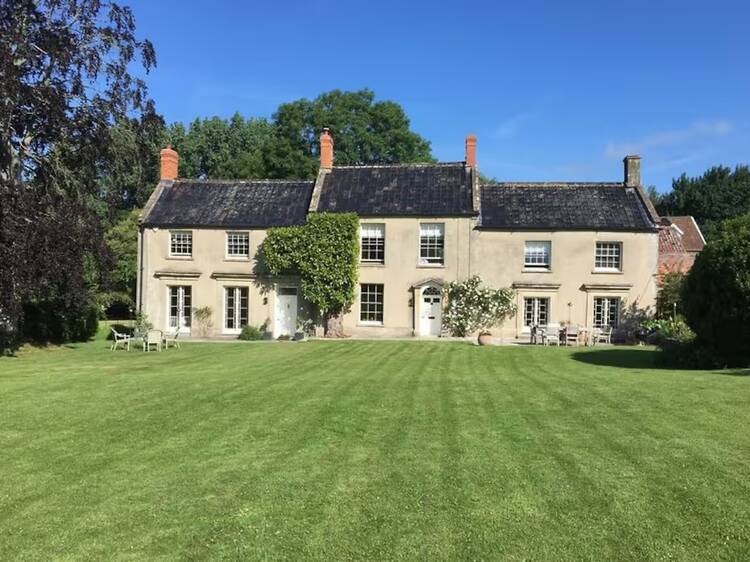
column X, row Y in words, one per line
column 364, row 131
column 716, row 292
column 65, row 80
column 720, row 193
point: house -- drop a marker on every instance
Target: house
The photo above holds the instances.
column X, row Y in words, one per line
column 574, row 252
column 680, row 241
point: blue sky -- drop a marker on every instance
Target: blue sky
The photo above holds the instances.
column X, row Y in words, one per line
column 553, row 90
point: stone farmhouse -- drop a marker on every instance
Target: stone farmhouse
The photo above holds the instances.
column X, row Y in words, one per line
column 575, row 252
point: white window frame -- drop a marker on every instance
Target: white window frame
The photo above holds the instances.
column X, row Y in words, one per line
column 602, row 250
column 173, row 234
column 369, row 303
column 536, row 310
column 431, row 237
column 610, row 306
column 530, row 258
column 372, row 232
column 227, row 245
column 185, row 325
column 237, row 308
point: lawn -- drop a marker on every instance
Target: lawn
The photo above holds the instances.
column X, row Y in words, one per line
column 377, row 450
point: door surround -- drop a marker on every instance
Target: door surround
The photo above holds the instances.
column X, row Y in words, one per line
column 428, row 289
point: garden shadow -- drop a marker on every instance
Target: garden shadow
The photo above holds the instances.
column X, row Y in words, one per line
column 639, row 358
column 623, row 358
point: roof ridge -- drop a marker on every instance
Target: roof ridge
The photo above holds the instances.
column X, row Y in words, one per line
column 248, row 181
column 554, row 184
column 401, row 165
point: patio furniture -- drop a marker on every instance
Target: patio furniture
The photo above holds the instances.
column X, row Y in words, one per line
column 168, row 338
column 571, row 335
column 537, row 335
column 603, row 335
column 552, row 334
column 138, row 336
column 152, row 338
column 118, row 338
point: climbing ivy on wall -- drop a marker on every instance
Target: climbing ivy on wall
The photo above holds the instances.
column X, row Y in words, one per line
column 324, row 252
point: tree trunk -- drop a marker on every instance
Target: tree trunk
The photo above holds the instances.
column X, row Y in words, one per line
column 335, row 326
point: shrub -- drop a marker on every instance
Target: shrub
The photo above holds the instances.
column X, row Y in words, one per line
column 669, row 301
column 203, row 320
column 250, row 333
column 142, row 323
column 716, row 293
column 50, row 321
column 667, row 330
column 472, row 308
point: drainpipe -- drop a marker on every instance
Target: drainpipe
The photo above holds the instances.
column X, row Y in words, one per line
column 140, row 267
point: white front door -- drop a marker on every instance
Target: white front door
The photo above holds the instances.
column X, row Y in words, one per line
column 430, row 315
column 286, row 311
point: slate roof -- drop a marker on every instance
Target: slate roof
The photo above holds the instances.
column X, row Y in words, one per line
column 399, row 190
column 692, row 237
column 230, row 204
column 563, row 206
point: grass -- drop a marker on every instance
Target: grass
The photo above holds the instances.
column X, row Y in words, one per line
column 370, row 450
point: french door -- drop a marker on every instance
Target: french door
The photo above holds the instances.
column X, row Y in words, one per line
column 180, row 303
column 606, row 311
column 235, row 308
column 535, row 311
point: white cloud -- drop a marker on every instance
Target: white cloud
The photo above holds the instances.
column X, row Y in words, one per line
column 698, row 129
column 510, row 126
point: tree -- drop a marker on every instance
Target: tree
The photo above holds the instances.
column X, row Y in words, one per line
column 119, row 283
column 716, row 292
column 365, row 132
column 130, row 166
column 718, row 194
column 65, row 80
column 324, row 253
column 472, row 307
column 232, row 148
column 668, row 301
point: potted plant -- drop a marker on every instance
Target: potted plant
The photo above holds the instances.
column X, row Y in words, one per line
column 473, row 308
column 485, row 338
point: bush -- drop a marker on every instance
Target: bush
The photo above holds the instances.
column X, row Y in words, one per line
column 250, row 333
column 203, row 321
column 675, row 354
column 50, row 321
column 716, row 293
column 669, row 300
column 668, row 330
column 472, row 307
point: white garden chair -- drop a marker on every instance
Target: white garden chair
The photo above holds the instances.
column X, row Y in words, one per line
column 168, row 338
column 571, row 335
column 152, row 338
column 552, row 334
column 118, row 338
column 603, row 335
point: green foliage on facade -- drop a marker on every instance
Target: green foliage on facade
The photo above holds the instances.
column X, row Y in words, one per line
column 472, row 307
column 324, row 253
column 716, row 292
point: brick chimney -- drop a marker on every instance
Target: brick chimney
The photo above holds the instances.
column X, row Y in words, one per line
column 169, row 163
column 471, row 150
column 632, row 171
column 326, row 149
